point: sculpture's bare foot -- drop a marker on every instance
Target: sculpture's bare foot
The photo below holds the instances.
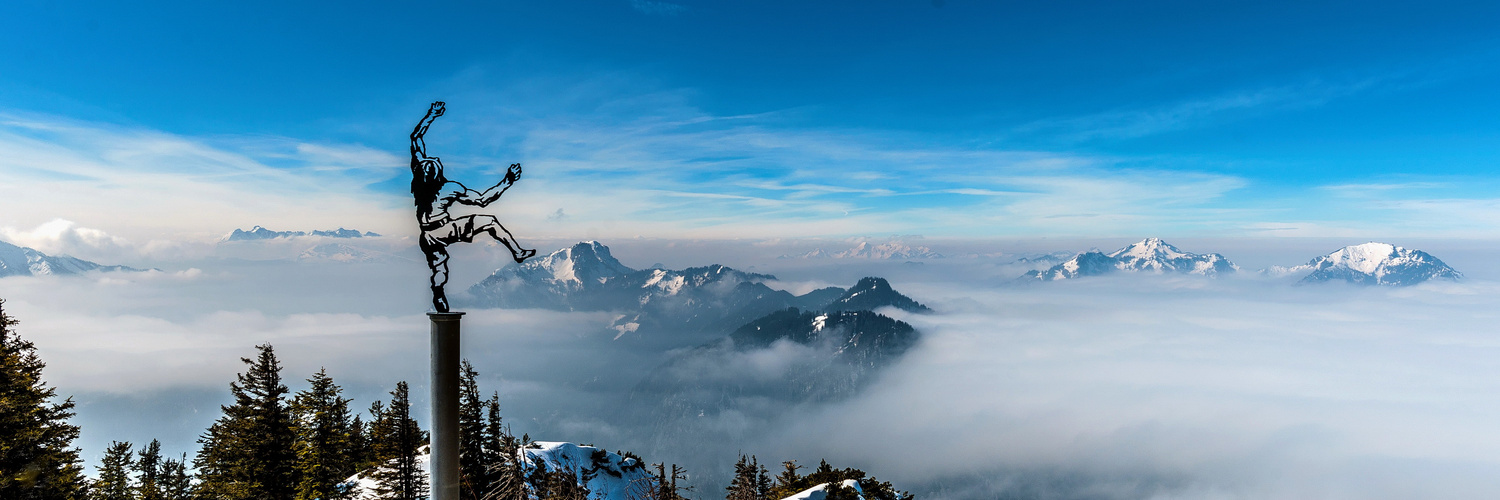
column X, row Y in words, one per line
column 522, row 255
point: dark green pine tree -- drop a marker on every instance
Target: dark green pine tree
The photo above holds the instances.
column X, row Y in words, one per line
column 247, row 454
column 148, row 472
column 763, row 482
column 114, row 481
column 325, row 455
column 473, row 465
column 397, row 440
column 360, row 452
column 745, row 485
column 37, row 460
column 789, row 482
column 176, row 483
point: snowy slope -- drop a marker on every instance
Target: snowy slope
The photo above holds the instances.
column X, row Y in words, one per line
column 607, row 476
column 561, row 280
column 820, row 492
column 585, row 277
column 1371, row 264
column 23, row 261
column 1149, row 255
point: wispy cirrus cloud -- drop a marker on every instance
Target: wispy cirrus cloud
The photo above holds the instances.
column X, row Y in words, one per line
column 1228, row 106
column 74, row 181
column 624, row 158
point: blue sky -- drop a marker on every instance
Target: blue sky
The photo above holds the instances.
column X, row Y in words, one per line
column 784, row 119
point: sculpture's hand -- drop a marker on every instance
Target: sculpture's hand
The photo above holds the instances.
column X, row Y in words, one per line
column 514, row 173
column 437, row 109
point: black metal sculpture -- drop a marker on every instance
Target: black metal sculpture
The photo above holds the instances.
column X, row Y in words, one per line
column 434, row 193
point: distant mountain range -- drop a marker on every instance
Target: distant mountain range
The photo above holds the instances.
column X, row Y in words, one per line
column 261, row 233
column 1148, row 255
column 1366, row 264
column 894, row 250
column 713, row 298
column 23, row 261
column 1371, row 264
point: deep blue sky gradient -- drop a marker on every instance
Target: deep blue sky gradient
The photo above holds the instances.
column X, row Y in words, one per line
column 1288, row 95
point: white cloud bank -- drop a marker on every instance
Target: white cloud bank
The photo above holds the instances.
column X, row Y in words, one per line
column 1121, row 387
column 1138, row 387
column 63, row 178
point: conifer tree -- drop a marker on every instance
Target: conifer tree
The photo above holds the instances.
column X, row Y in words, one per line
column 148, row 472
column 473, row 463
column 666, row 483
column 745, row 485
column 790, row 483
column 37, row 460
column 176, row 484
column 397, row 440
column 360, row 452
column 325, row 453
column 763, row 482
column 114, row 481
column 248, row 453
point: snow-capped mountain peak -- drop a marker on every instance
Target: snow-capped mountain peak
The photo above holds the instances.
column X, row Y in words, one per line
column 1372, row 263
column 26, row 261
column 1149, row 248
column 586, row 261
column 1366, row 257
column 1150, row 254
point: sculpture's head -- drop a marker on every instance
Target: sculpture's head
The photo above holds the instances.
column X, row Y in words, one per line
column 427, row 181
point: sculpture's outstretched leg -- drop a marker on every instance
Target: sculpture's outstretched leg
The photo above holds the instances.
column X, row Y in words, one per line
column 480, row 224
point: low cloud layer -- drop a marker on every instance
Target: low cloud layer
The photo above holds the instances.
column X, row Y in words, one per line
column 1131, row 386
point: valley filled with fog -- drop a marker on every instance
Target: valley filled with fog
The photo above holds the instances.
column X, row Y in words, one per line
column 1127, row 385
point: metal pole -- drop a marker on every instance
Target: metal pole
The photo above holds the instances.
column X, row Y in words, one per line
column 444, row 465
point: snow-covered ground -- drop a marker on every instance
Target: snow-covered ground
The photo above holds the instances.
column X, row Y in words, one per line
column 820, row 492
column 606, row 475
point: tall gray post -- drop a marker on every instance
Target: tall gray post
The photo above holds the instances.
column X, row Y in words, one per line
column 444, row 405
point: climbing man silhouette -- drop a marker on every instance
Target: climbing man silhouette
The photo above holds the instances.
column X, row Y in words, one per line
column 434, row 193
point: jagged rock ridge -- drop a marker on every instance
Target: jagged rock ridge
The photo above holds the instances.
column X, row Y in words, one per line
column 713, row 299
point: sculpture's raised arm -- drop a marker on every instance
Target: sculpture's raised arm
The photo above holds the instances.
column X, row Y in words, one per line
column 418, row 147
column 471, row 197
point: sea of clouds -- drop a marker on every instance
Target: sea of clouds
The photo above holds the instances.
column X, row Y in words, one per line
column 1131, row 386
